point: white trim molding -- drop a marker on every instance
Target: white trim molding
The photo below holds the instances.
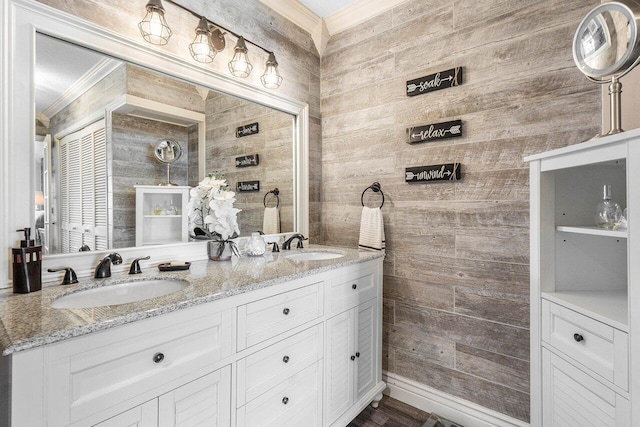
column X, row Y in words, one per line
column 295, row 12
column 459, row 410
column 357, row 13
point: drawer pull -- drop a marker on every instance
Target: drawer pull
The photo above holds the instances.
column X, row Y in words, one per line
column 158, row 357
column 578, row 337
column 354, row 286
column 353, row 357
column 285, row 359
column 285, row 400
column 358, row 354
column 285, row 311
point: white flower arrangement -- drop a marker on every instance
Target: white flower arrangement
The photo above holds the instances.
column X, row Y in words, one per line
column 210, row 210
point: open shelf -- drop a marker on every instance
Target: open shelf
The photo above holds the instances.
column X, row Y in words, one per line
column 593, row 231
column 609, row 307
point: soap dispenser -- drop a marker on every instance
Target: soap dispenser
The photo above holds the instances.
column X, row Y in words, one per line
column 27, row 265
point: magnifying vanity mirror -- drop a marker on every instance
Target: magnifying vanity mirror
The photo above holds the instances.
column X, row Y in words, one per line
column 167, row 152
column 606, row 47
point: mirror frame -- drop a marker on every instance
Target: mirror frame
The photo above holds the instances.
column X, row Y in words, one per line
column 24, row 19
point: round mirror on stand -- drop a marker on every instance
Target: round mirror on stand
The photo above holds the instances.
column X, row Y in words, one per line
column 168, row 151
column 605, row 48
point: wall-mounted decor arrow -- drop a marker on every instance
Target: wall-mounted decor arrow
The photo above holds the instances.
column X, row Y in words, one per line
column 445, row 172
column 433, row 82
column 434, row 131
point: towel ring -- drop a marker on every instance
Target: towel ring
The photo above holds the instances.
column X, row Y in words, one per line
column 275, row 192
column 376, row 189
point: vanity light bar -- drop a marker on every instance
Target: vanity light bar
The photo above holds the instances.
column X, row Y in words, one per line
column 209, row 40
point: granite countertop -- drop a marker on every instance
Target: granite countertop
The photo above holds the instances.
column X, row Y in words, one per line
column 28, row 320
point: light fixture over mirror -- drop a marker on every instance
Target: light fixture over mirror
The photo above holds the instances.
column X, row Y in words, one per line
column 606, row 47
column 208, row 41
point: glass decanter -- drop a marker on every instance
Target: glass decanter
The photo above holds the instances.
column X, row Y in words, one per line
column 256, row 246
column 608, row 212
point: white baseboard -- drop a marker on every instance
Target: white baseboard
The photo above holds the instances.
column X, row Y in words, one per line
column 430, row 400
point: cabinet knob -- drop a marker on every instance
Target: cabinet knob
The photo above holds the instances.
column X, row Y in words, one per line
column 285, row 311
column 158, row 357
column 358, row 354
column 353, row 357
column 285, row 400
column 285, row 359
column 354, row 286
column 578, row 337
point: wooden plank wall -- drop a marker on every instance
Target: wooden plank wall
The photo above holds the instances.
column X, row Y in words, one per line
column 456, row 284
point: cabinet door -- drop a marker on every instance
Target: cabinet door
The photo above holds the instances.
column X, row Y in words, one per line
column 145, row 415
column 203, row 402
column 339, row 364
column 366, row 347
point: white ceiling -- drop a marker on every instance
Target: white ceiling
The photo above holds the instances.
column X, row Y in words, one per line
column 324, row 8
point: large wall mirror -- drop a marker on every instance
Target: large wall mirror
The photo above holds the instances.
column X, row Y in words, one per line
column 68, row 79
column 98, row 121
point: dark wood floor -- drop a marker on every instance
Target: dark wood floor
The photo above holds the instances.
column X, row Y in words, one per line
column 390, row 413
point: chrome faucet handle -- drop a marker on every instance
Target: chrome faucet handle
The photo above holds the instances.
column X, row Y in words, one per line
column 69, row 275
column 135, row 265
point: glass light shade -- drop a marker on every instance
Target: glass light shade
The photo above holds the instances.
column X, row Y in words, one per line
column 239, row 65
column 154, row 27
column 271, row 79
column 201, row 49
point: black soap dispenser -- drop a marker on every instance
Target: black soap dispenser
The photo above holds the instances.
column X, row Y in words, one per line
column 27, row 265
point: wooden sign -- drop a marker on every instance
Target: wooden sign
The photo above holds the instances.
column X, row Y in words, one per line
column 446, row 172
column 435, row 131
column 246, row 186
column 433, row 82
column 246, row 130
column 248, row 160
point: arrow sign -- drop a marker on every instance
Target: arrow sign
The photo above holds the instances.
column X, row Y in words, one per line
column 433, row 82
column 445, row 172
column 246, row 186
column 246, row 130
column 434, row 131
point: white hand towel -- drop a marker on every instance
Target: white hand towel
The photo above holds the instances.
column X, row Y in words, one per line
column 371, row 230
column 271, row 222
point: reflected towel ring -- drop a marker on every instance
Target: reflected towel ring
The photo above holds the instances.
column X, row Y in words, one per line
column 275, row 192
column 376, row 189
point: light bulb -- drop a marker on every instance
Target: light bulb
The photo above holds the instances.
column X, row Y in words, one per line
column 154, row 27
column 201, row 49
column 239, row 65
column 271, row 79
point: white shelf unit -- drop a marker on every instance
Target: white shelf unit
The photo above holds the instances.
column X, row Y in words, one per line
column 584, row 299
column 155, row 228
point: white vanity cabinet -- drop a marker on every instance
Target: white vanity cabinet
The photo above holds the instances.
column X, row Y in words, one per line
column 585, row 300
column 161, row 214
column 276, row 356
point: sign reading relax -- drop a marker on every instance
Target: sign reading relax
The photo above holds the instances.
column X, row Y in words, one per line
column 434, row 131
column 433, row 82
column 445, row 172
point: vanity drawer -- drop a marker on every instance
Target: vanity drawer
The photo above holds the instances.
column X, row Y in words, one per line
column 599, row 347
column 295, row 402
column 262, row 370
column 350, row 290
column 266, row 318
column 100, row 376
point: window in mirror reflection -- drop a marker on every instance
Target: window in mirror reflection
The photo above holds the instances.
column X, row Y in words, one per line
column 98, row 120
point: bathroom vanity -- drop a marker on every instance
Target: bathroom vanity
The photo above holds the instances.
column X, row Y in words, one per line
column 266, row 341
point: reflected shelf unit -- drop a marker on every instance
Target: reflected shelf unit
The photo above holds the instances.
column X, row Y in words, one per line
column 153, row 225
column 585, row 300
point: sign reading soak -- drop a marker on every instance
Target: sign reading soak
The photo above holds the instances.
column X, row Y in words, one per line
column 435, row 131
column 245, row 186
column 246, row 130
column 248, row 160
column 446, row 172
column 433, row 82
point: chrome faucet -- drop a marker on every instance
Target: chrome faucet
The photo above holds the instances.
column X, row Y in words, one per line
column 103, row 269
column 287, row 243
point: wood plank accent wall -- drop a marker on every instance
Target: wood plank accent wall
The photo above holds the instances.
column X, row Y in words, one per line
column 456, row 283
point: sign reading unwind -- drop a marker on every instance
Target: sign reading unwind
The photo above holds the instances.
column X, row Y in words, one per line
column 445, row 172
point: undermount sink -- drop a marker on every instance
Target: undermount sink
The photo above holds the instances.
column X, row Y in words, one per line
column 313, row 256
column 120, row 293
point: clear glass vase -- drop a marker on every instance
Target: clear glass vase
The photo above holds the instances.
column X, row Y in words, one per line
column 608, row 212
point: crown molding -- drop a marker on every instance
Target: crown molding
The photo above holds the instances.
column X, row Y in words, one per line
column 99, row 71
column 357, row 13
column 296, row 12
